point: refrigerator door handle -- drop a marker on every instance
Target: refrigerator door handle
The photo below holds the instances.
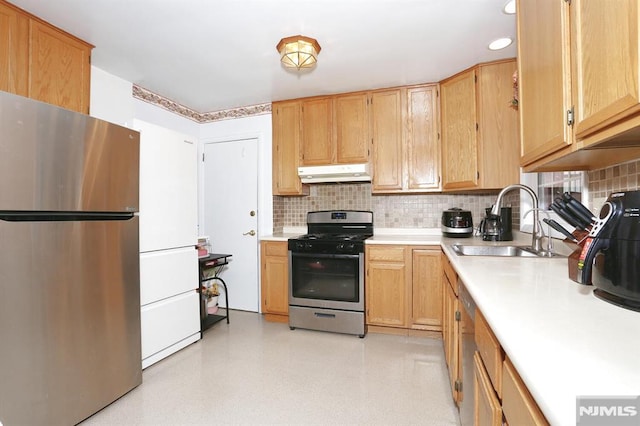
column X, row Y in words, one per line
column 33, row 216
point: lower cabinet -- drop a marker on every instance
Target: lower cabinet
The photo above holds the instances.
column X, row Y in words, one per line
column 451, row 332
column 170, row 304
column 403, row 287
column 499, row 394
column 386, row 286
column 518, row 405
column 487, row 409
column 274, row 265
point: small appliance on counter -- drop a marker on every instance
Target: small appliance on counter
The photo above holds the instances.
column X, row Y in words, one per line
column 457, row 223
column 497, row 227
column 609, row 256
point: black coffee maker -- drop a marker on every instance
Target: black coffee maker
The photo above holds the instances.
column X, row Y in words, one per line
column 497, row 227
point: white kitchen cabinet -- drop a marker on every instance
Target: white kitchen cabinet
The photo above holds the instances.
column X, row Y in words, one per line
column 168, row 188
column 170, row 303
column 167, row 273
column 168, row 326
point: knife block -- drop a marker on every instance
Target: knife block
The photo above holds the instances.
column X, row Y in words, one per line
column 574, row 257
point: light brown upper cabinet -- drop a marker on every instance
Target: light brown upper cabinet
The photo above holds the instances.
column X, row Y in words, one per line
column 285, row 118
column 579, row 84
column 317, row 132
column 14, row 45
column 351, row 128
column 386, row 136
column 422, row 139
column 480, row 146
column 543, row 78
column 406, row 148
column 335, row 130
column 43, row 62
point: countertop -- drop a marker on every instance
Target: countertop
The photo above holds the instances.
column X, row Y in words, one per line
column 563, row 341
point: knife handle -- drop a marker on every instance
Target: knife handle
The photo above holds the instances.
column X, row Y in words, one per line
column 569, row 219
column 578, row 206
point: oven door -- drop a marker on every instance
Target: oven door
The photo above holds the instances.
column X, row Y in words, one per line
column 333, row 281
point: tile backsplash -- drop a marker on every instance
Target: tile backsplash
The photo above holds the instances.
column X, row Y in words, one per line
column 389, row 211
column 602, row 182
column 425, row 210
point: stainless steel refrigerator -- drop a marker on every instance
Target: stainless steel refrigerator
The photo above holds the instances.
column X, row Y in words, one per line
column 69, row 263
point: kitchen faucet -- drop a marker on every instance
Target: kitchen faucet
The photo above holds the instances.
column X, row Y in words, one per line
column 536, row 236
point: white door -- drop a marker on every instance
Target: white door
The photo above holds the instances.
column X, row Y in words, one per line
column 231, row 217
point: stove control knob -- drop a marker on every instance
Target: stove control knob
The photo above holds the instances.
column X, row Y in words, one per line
column 299, row 245
column 350, row 246
column 340, row 247
column 308, row 246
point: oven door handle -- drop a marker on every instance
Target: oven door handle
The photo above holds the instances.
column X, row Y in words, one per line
column 325, row 255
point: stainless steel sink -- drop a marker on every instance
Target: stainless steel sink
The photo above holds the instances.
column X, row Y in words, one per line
column 505, row 251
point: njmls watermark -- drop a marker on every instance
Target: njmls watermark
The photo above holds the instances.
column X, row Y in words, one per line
column 608, row 410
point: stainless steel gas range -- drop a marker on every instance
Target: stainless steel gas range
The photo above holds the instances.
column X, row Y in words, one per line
column 326, row 272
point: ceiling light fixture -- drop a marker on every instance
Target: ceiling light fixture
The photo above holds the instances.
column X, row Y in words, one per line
column 500, row 43
column 298, row 51
column 510, row 7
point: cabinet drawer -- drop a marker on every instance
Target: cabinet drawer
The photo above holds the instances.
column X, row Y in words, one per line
column 169, row 321
column 517, row 403
column 490, row 350
column 167, row 273
column 275, row 248
column 450, row 273
column 386, row 253
column 487, row 409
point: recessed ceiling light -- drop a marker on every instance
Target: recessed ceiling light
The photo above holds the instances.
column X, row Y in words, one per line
column 500, row 43
column 510, row 7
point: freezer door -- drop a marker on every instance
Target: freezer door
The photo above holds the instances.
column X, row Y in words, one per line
column 69, row 318
column 54, row 159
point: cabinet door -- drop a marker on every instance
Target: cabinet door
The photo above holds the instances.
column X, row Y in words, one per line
column 459, row 132
column 286, row 148
column 451, row 337
column 486, row 407
column 605, row 58
column 386, row 127
column 317, row 138
column 59, row 68
column 543, row 77
column 168, row 188
column 386, row 286
column 386, row 294
column 498, row 140
column 518, row 405
column 275, row 278
column 423, row 146
column 14, row 45
column 427, row 289
column 352, row 129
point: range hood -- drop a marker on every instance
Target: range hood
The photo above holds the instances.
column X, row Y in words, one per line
column 335, row 173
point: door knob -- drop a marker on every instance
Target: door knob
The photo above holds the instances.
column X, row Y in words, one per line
column 252, row 233
column 252, row 213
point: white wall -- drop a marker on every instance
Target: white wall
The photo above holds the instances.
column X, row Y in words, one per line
column 161, row 117
column 112, row 100
column 248, row 127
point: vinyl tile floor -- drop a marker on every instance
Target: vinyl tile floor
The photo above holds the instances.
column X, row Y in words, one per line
column 256, row 372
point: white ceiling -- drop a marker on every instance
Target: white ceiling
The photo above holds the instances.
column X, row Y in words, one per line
column 211, row 55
